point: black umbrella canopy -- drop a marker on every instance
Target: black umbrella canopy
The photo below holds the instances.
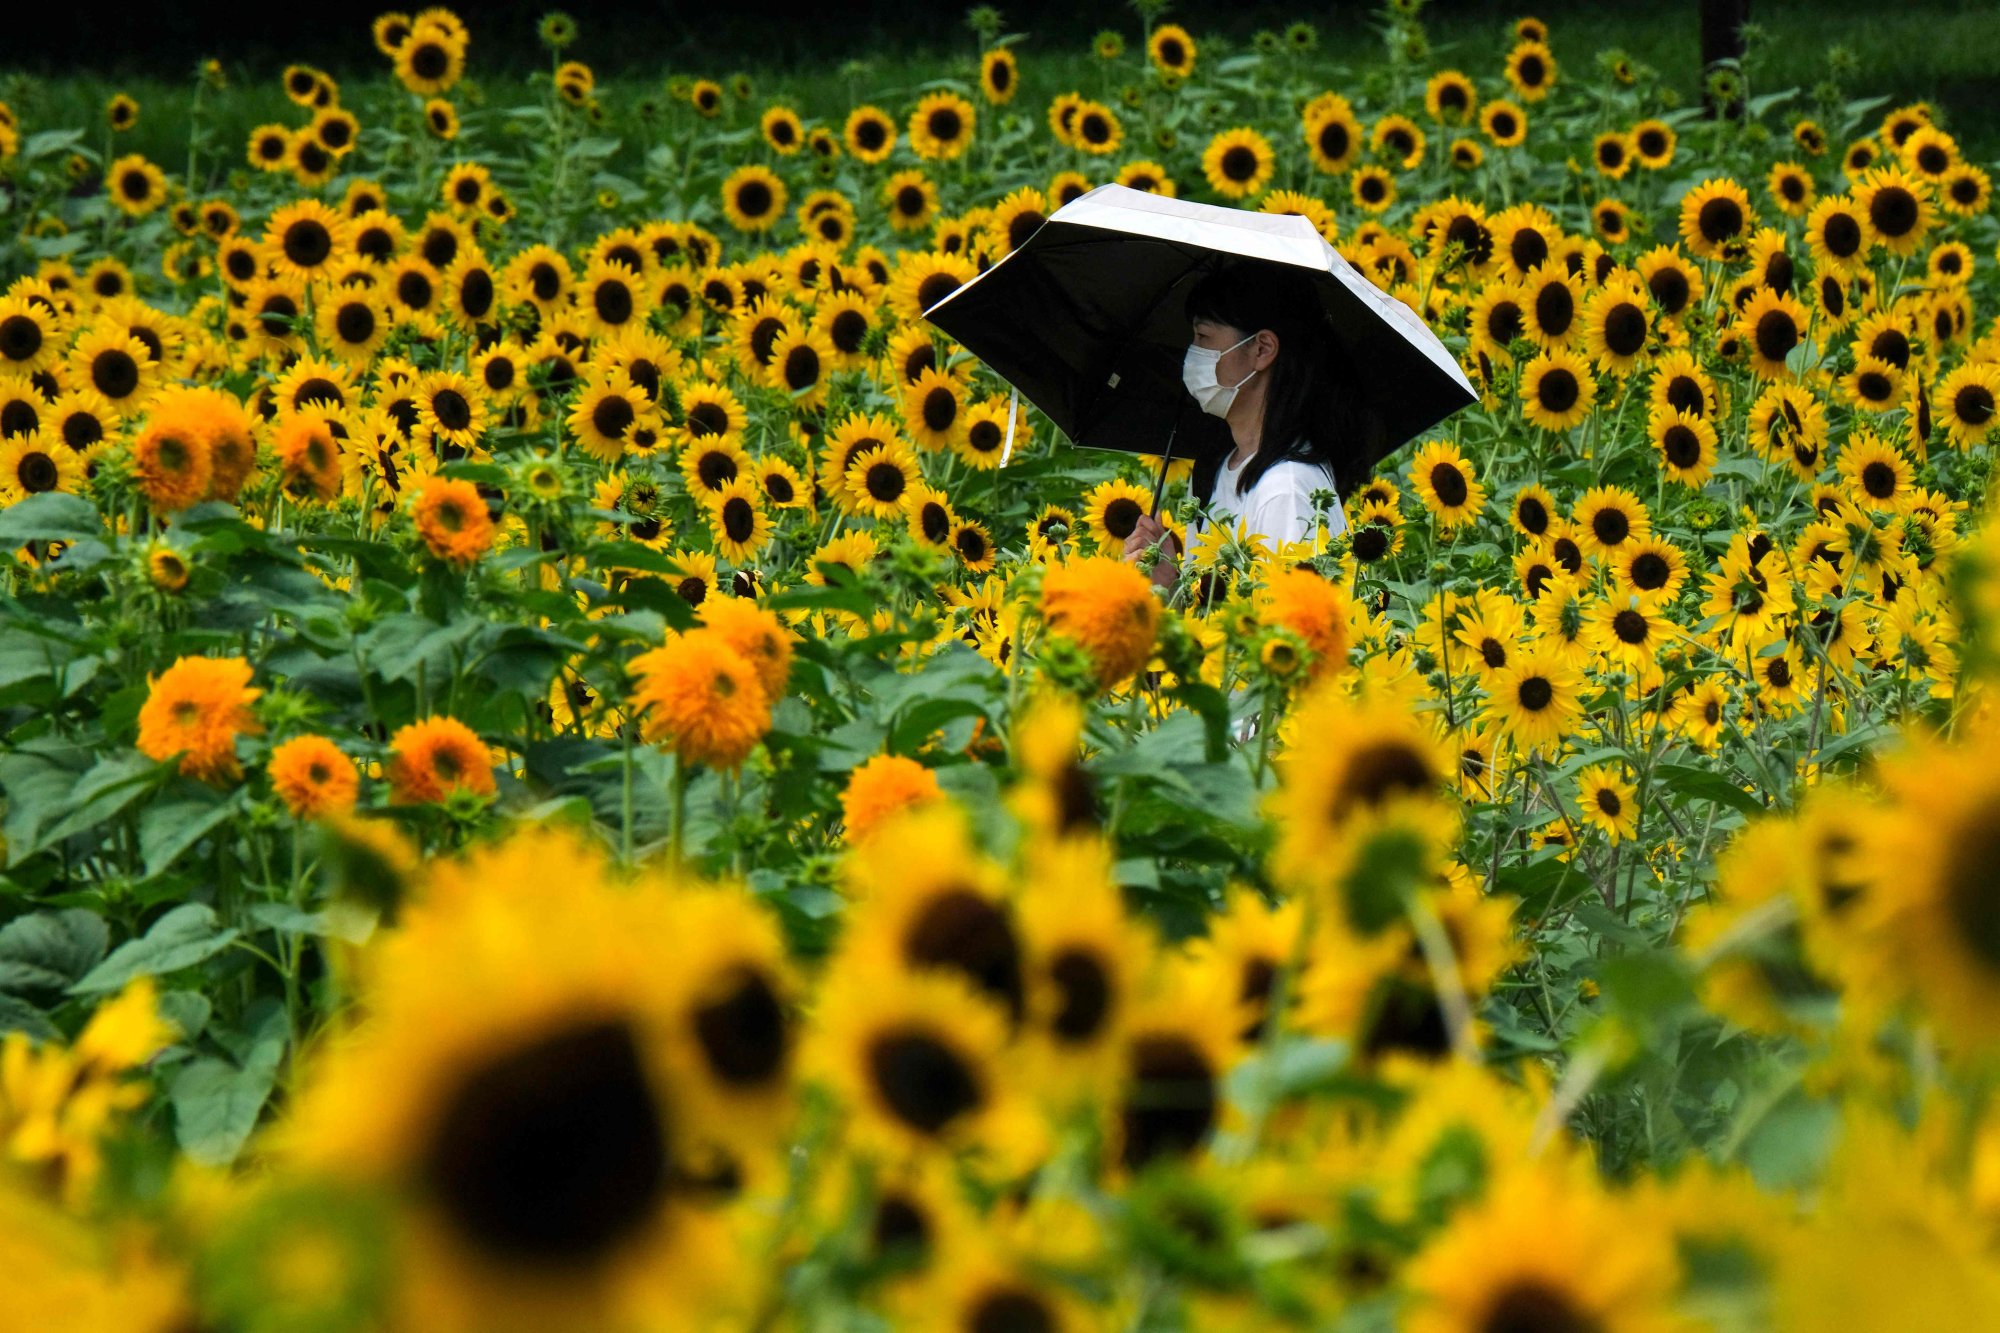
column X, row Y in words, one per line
column 1087, row 318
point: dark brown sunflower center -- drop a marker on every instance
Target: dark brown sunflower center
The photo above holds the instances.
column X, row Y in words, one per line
column 923, row 1081
column 1535, row 693
column 115, row 373
column 801, row 368
column 451, row 409
column 1171, row 1105
column 20, row 337
column 1777, row 334
column 553, row 1153
column 754, row 199
column 1625, row 329
column 742, row 1030
column 1719, row 219
column 1558, row 390
column 1449, row 485
column 1083, row 989
column 1893, row 211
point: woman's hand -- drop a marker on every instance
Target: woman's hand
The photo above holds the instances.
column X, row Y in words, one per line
column 1147, row 531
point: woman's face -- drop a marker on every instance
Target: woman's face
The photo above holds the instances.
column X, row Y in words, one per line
column 1240, row 361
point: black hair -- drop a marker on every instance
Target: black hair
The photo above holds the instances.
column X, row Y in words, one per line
column 1310, row 414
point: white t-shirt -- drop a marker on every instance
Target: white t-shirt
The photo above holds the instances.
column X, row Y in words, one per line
column 1279, row 507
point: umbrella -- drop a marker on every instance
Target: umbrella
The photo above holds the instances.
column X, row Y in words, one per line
column 1086, row 320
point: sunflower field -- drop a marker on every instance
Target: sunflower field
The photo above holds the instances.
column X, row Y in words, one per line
column 563, row 764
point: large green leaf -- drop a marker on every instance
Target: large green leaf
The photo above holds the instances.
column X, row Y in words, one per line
column 183, row 937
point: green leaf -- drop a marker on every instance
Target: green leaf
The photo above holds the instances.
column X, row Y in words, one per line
column 50, row 516
column 216, row 1104
column 168, row 828
column 183, row 937
column 107, row 789
column 17, row 1015
column 1708, row 785
column 49, row 950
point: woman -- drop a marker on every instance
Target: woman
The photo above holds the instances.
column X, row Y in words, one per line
column 1261, row 361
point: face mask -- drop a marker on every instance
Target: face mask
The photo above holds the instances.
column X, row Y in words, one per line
column 1198, row 374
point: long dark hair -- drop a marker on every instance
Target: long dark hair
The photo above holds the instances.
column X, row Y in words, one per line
column 1310, row 414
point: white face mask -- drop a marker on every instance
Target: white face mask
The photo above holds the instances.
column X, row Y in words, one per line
column 1198, row 374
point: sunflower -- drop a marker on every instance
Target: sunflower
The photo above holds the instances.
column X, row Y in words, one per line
column 1504, row 124
column 1112, row 509
column 21, row 406
column 414, row 287
column 1533, row 699
column 352, row 325
column 1616, row 325
column 1771, row 326
column 738, row 521
column 1686, row 443
column 30, row 336
column 1965, row 190
column 1713, row 215
column 1874, row 385
column 1333, row 137
column 1877, row 473
column 1898, row 208
column 607, row 413
column 973, row 545
column 711, row 464
column 1545, row 1248
column 879, row 480
column 1612, row 219
column 782, row 129
column 1171, row 50
column 135, row 185
column 999, row 75
column 80, row 419
column 612, row 298
column 934, row 410
column 1531, row 68
column 1557, row 390
column 1652, row 143
column 313, row 777
column 1450, row 97
column 194, row 711
column 1445, row 482
column 1675, row 284
column 307, row 445
column 1373, row 188
column 1107, row 607
column 1608, row 801
column 173, row 465
column 702, row 698
column 1968, row 399
column 921, row 282
column 1238, row 163
column 941, row 126
column 31, row 464
column 802, row 362
column 1177, row 1047
column 753, row 198
column 917, row 1060
column 269, row 146
column 1651, row 570
column 1015, row 219
column 452, row 408
column 307, row 159
column 846, row 320
column 911, row 199
column 1096, row 129
column 1552, row 301
column 869, row 133
column 1607, row 517
column 1497, row 318
column 430, row 60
